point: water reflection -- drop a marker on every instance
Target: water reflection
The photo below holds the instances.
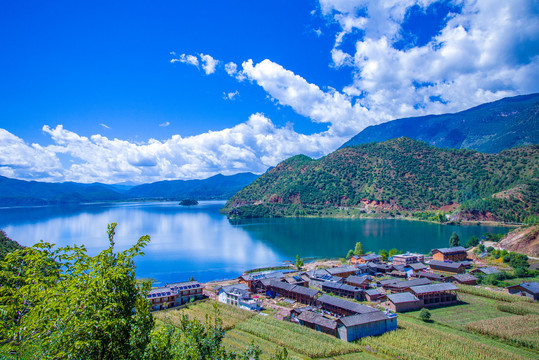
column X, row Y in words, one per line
column 198, row 241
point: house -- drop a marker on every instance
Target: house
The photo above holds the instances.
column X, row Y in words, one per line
column 403, row 286
column 402, row 302
column 363, row 259
column 379, row 268
column 487, row 270
column 398, row 274
column 449, row 267
column 238, row 295
column 343, row 290
column 354, row 327
column 362, row 269
column 436, row 294
column 373, row 295
column 530, row 290
column 456, row 253
column 162, row 298
column 296, row 280
column 317, row 277
column 405, row 259
column 253, row 280
column 358, row 281
column 340, row 306
column 187, row 291
column 431, row 276
column 416, row 267
column 342, row 271
column 300, row 294
column 318, row 322
column 467, row 279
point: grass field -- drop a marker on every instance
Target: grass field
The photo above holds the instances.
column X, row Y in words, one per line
column 455, row 332
column 472, row 308
column 495, row 295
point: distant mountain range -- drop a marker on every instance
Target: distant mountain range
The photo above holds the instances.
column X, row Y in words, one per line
column 488, row 128
column 397, row 177
column 25, row 193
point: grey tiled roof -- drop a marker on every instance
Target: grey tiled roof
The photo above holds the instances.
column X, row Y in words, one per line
column 487, row 270
column 463, row 277
column 318, row 319
column 423, row 289
column 402, row 298
column 532, row 287
column 260, row 276
column 417, row 266
column 450, row 265
column 339, row 286
column 345, row 304
column 341, row 269
column 355, row 320
column 410, row 283
column 451, row 250
column 358, row 279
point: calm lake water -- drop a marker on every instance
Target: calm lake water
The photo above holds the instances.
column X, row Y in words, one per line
column 198, row 241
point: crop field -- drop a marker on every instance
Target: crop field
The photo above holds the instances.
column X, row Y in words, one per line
column 415, row 341
column 520, row 308
column 481, row 328
column 229, row 315
column 495, row 295
column 472, row 308
column 297, row 338
column 520, row 330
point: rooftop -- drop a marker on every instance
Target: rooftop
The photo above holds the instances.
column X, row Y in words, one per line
column 409, row 283
column 361, row 319
column 425, row 289
column 341, row 269
column 402, row 298
column 488, row 270
column 260, row 276
column 358, row 279
column 464, row 277
column 339, row 286
column 532, row 287
column 345, row 304
column 449, row 265
column 318, row 319
column 451, row 250
column 417, row 266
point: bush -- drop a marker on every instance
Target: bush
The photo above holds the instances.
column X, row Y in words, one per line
column 424, row 314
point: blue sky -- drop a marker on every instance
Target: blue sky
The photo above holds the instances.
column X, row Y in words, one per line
column 138, row 91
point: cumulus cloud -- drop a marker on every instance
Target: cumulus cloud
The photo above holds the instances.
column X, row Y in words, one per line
column 20, row 160
column 486, row 51
column 253, row 146
column 208, row 63
column 230, row 95
column 186, row 59
column 231, row 68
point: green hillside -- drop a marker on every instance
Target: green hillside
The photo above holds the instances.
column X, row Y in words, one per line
column 398, row 176
column 7, row 245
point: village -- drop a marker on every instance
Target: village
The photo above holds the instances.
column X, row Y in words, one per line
column 347, row 301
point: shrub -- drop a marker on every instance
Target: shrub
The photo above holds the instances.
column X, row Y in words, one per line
column 424, row 314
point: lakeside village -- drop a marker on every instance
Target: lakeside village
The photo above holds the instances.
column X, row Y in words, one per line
column 348, row 301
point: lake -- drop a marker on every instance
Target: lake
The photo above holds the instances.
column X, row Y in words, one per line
column 198, row 241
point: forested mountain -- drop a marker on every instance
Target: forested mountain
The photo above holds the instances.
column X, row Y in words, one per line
column 489, row 128
column 20, row 192
column 398, row 176
column 7, row 245
column 218, row 187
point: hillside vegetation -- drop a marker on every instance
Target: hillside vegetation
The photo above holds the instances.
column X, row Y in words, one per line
column 490, row 128
column 399, row 175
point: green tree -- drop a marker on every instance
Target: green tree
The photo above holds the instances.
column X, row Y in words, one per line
column 358, row 249
column 424, row 314
column 87, row 307
column 393, row 252
column 454, row 240
column 472, row 241
column 384, row 254
column 350, row 254
column 299, row 262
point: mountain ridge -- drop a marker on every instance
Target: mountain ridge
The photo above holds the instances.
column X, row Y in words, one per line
column 490, row 127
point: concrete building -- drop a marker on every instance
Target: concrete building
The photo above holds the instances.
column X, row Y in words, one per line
column 238, row 295
column 408, row 258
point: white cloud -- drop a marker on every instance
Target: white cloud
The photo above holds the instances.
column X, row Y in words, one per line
column 488, row 51
column 165, row 124
column 186, row 59
column 208, row 63
column 104, row 126
column 231, row 68
column 230, row 95
column 20, row 160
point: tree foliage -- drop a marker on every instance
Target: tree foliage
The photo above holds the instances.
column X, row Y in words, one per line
column 424, row 314
column 454, row 240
